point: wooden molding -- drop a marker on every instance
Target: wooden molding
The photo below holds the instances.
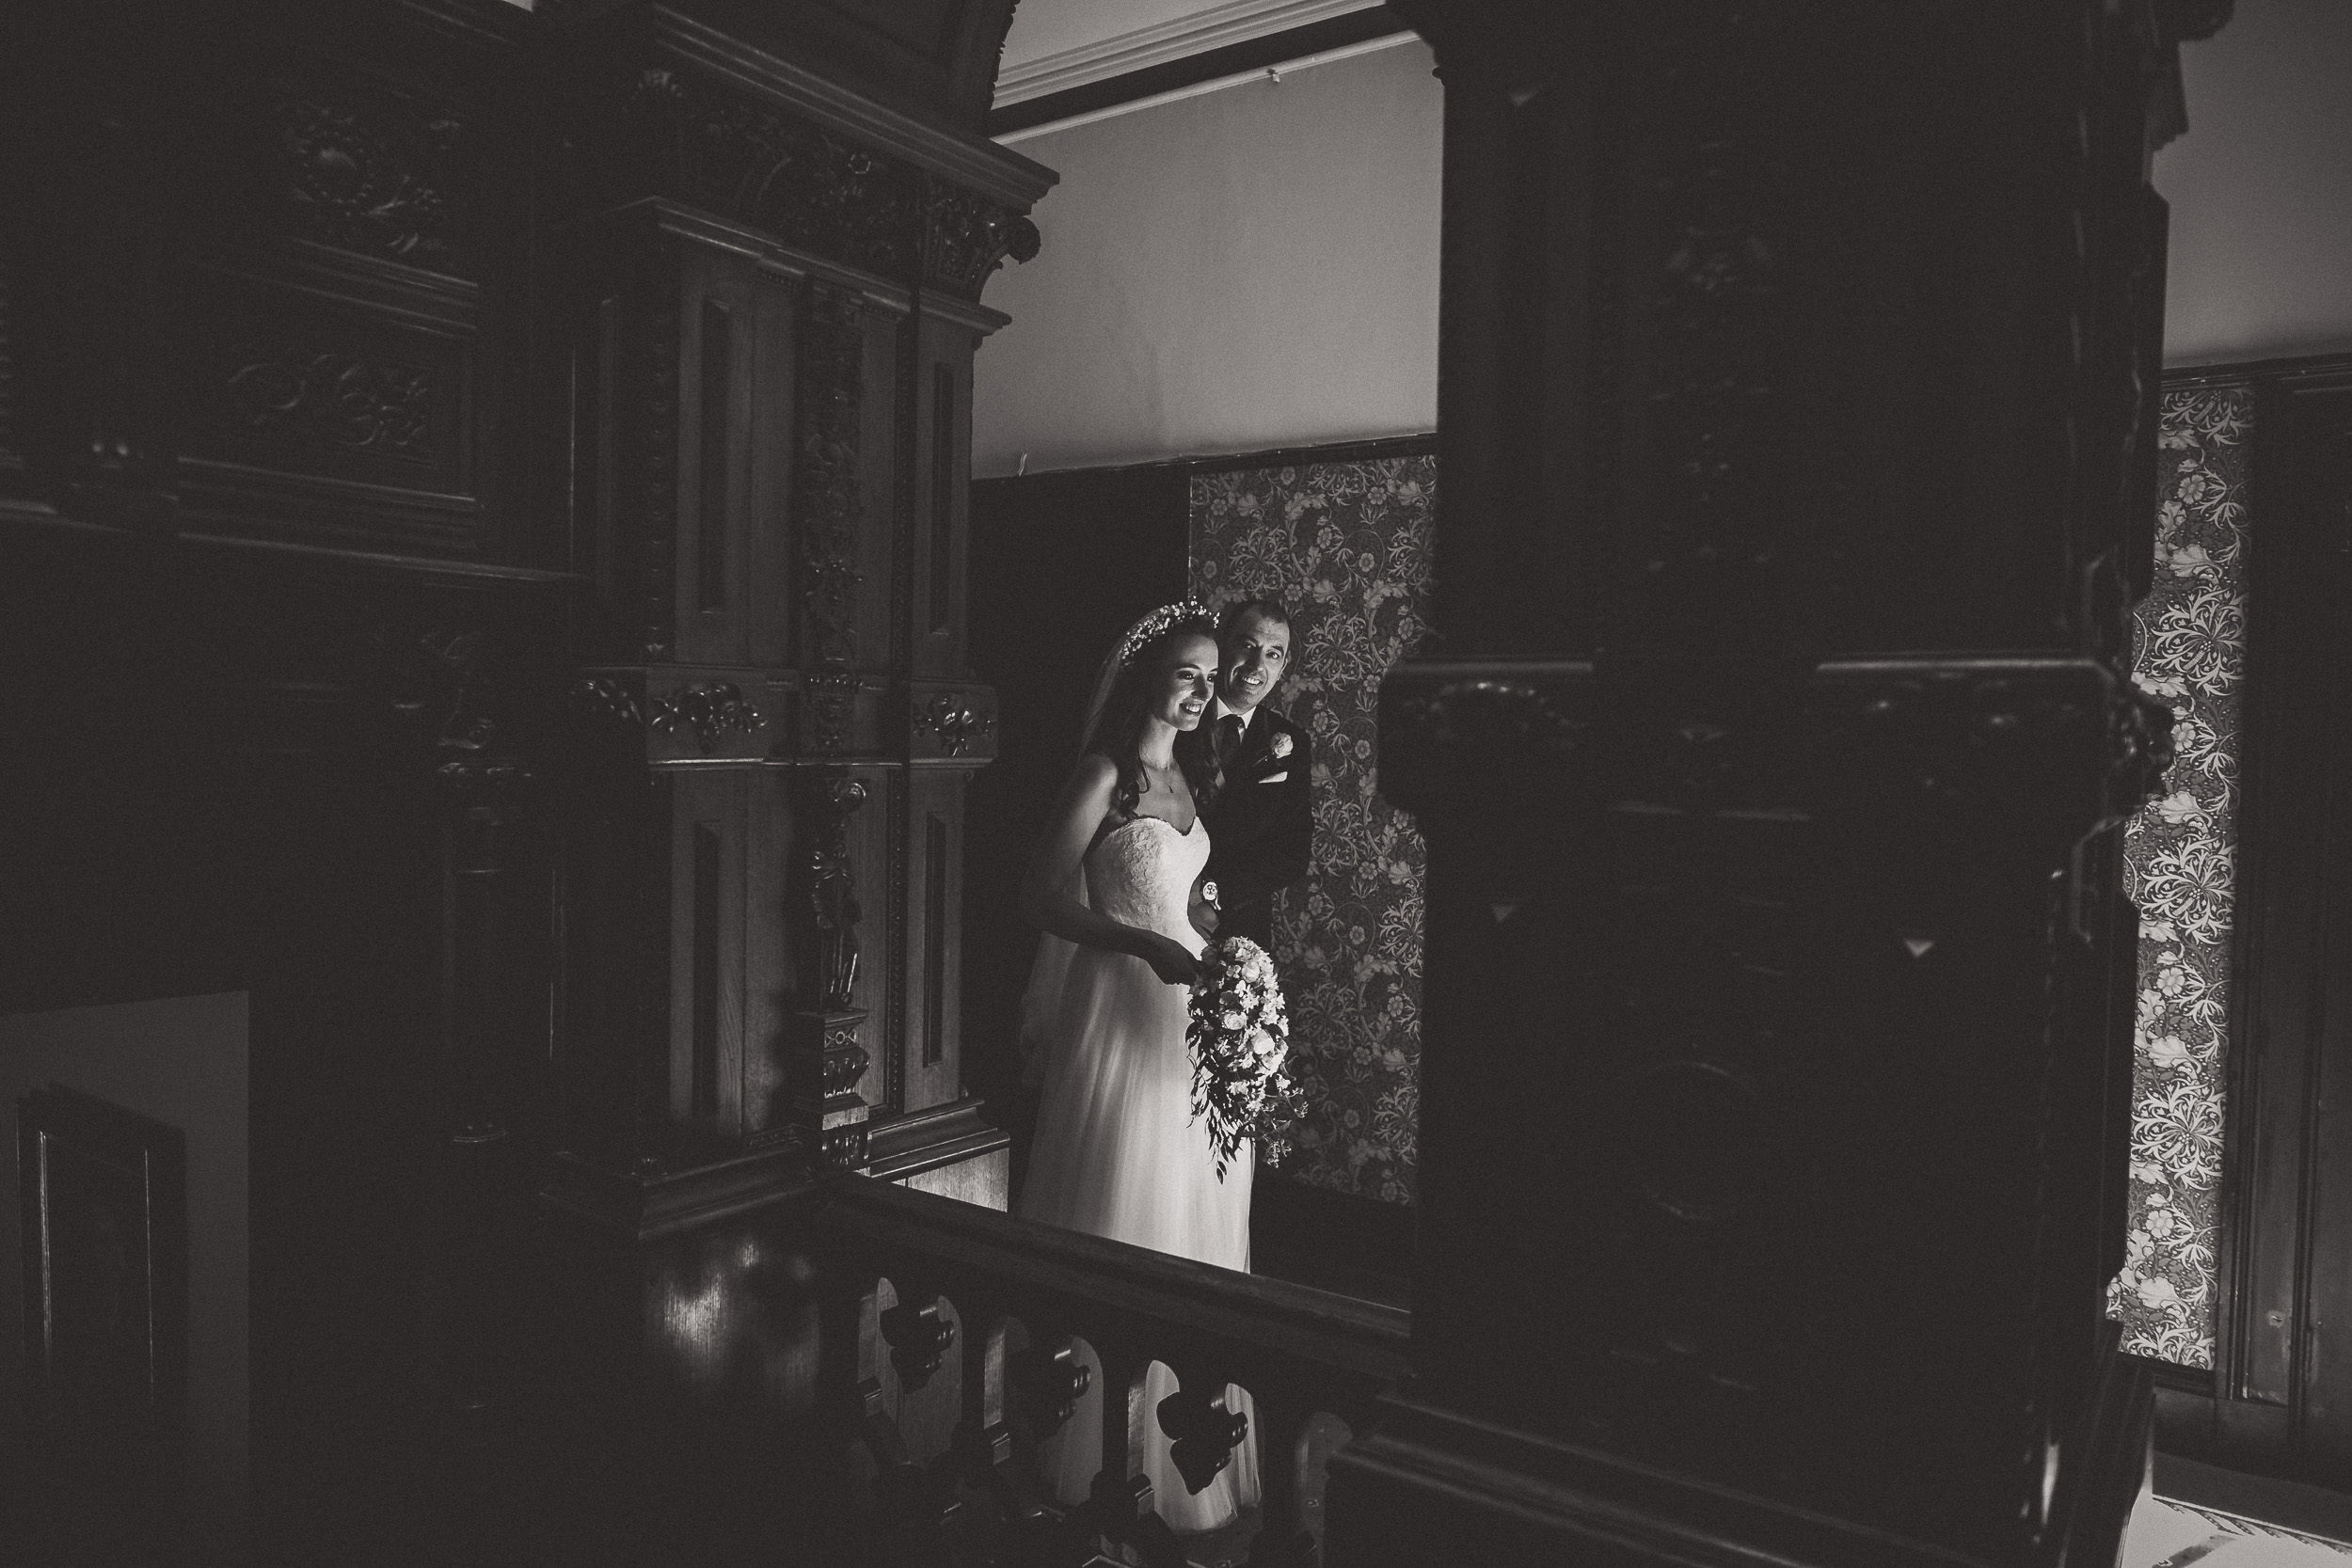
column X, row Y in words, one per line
column 925, row 1140
column 647, row 1205
column 1219, row 28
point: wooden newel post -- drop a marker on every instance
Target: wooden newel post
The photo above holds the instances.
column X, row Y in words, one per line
column 1792, row 361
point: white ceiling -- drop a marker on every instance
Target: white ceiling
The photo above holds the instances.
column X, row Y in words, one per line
column 1059, row 44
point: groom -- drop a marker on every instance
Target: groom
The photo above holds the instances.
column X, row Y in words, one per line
column 1262, row 822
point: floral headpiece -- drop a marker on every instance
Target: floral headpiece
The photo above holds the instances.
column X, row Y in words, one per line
column 1143, row 632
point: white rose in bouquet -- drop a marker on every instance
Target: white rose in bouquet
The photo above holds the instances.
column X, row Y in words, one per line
column 1238, row 1035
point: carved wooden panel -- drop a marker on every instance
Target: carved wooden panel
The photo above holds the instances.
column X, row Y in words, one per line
column 330, row 404
column 772, row 937
column 871, row 606
column 934, row 1001
column 350, row 160
column 105, row 1245
column 709, row 863
column 942, row 440
column 735, row 383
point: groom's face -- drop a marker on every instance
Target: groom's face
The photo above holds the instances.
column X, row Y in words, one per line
column 1256, row 654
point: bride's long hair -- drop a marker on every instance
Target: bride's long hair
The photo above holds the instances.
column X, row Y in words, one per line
column 1122, row 700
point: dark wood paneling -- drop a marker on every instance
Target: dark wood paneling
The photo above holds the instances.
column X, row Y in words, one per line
column 337, row 367
column 937, row 829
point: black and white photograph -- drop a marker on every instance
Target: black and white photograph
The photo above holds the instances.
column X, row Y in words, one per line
column 1176, row 783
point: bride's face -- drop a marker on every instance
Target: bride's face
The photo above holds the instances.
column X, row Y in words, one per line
column 1187, row 676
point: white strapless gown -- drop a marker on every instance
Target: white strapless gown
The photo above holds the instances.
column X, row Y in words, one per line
column 1118, row 1152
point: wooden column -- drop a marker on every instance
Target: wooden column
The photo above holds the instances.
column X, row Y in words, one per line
column 1796, row 386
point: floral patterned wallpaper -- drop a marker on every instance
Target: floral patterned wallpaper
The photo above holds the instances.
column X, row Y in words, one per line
column 1346, row 546
column 2190, row 641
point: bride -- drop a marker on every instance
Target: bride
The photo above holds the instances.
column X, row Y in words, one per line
column 1118, row 1152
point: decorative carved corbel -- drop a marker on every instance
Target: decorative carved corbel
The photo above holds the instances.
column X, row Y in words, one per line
column 968, row 237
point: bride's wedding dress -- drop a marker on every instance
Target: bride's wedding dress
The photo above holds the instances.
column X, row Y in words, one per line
column 1118, row 1152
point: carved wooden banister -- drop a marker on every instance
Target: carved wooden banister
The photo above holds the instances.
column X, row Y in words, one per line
column 1268, row 1326
column 1296, row 1350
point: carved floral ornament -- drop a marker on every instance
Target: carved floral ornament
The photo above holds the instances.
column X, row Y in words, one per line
column 955, row 720
column 365, row 181
column 332, row 400
column 757, row 165
column 601, row 698
column 717, row 712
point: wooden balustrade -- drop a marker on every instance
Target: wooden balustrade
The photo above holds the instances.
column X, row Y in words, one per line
column 1015, row 1294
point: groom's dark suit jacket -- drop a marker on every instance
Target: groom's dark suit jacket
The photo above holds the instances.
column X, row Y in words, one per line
column 1261, row 826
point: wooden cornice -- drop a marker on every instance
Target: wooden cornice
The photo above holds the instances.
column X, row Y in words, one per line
column 969, row 161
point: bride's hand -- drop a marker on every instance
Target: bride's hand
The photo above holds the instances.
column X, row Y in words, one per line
column 1168, row 960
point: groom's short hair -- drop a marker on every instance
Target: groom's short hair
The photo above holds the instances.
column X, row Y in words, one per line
column 1271, row 609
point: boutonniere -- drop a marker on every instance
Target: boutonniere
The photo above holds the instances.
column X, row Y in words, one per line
column 1280, row 745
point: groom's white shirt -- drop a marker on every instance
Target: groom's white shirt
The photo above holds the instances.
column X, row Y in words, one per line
column 1217, row 710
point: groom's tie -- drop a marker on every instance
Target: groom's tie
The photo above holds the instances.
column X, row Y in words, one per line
column 1228, row 739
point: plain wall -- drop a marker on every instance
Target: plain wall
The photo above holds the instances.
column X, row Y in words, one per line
column 1254, row 267
column 2260, row 189
column 182, row 1062
column 1257, row 267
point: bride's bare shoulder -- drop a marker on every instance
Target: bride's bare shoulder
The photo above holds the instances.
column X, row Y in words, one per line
column 1095, row 774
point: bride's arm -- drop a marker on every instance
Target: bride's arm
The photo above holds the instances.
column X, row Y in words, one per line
column 1045, row 899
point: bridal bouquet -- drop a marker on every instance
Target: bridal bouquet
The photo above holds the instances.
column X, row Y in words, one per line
column 1240, row 1041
